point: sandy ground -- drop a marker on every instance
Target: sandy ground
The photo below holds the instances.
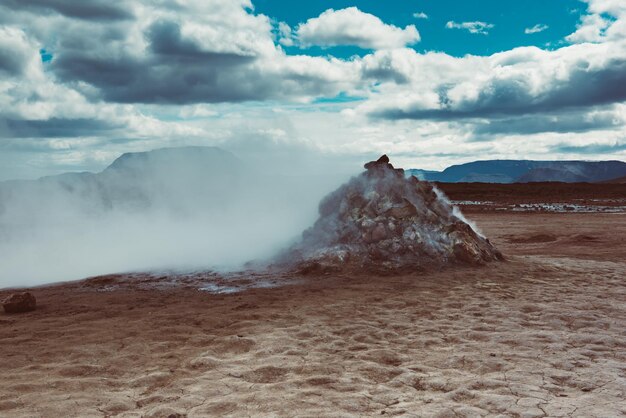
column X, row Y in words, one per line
column 543, row 334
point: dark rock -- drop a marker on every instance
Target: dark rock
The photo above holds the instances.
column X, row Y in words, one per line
column 383, row 159
column 381, row 167
column 379, row 233
column 380, row 163
column 20, row 302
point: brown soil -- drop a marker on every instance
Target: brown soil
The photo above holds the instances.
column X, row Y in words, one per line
column 534, row 192
column 621, row 180
column 539, row 335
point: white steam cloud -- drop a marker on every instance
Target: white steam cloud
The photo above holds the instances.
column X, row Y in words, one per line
column 457, row 212
column 181, row 209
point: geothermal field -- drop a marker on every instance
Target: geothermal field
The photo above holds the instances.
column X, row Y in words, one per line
column 390, row 304
column 278, row 208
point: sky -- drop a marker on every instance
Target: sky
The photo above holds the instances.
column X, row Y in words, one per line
column 431, row 83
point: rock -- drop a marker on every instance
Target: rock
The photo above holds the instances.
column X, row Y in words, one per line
column 379, row 233
column 381, row 167
column 382, row 222
column 383, row 159
column 20, row 302
column 382, row 162
column 466, row 254
column 403, row 211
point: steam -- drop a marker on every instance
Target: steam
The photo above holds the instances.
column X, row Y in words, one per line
column 177, row 209
column 457, row 212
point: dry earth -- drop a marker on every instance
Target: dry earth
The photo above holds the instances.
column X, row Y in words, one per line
column 543, row 334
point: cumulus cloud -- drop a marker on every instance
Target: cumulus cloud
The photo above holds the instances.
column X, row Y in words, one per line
column 285, row 34
column 34, row 105
column 134, row 75
column 16, row 52
column 528, row 99
column 172, row 69
column 594, row 148
column 517, row 82
column 591, row 29
column 481, row 28
column 420, row 15
column 605, row 21
column 351, row 26
column 569, row 122
column 536, row 29
column 95, row 10
column 192, row 52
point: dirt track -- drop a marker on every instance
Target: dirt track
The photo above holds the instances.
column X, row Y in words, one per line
column 540, row 335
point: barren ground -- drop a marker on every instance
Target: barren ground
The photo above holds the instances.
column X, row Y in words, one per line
column 543, row 334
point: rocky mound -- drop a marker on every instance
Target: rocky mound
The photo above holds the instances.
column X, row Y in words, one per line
column 381, row 221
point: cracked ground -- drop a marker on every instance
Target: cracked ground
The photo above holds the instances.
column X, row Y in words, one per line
column 543, row 334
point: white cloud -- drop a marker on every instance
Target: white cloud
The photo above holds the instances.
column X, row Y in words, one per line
column 481, row 28
column 18, row 54
column 210, row 72
column 199, row 51
column 285, row 34
column 605, row 21
column 591, row 29
column 517, row 82
column 612, row 7
column 535, row 29
column 353, row 27
column 420, row 15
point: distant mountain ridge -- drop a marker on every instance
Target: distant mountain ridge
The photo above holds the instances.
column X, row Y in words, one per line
column 169, row 176
column 525, row 171
column 208, row 168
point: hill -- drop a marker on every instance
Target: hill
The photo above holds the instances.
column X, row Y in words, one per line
column 134, row 180
column 525, row 171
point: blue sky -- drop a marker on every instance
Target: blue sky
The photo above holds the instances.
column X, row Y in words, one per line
column 432, row 83
column 510, row 19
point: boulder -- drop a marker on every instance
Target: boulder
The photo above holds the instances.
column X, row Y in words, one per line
column 383, row 161
column 376, row 168
column 20, row 302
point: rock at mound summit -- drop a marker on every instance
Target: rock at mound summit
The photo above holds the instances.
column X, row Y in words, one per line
column 381, row 221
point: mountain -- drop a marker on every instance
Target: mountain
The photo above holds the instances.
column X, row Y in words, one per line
column 175, row 178
column 525, row 171
column 173, row 175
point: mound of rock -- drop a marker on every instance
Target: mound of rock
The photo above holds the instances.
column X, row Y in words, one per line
column 381, row 221
column 20, row 302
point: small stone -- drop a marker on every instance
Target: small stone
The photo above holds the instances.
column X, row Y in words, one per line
column 379, row 233
column 20, row 302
